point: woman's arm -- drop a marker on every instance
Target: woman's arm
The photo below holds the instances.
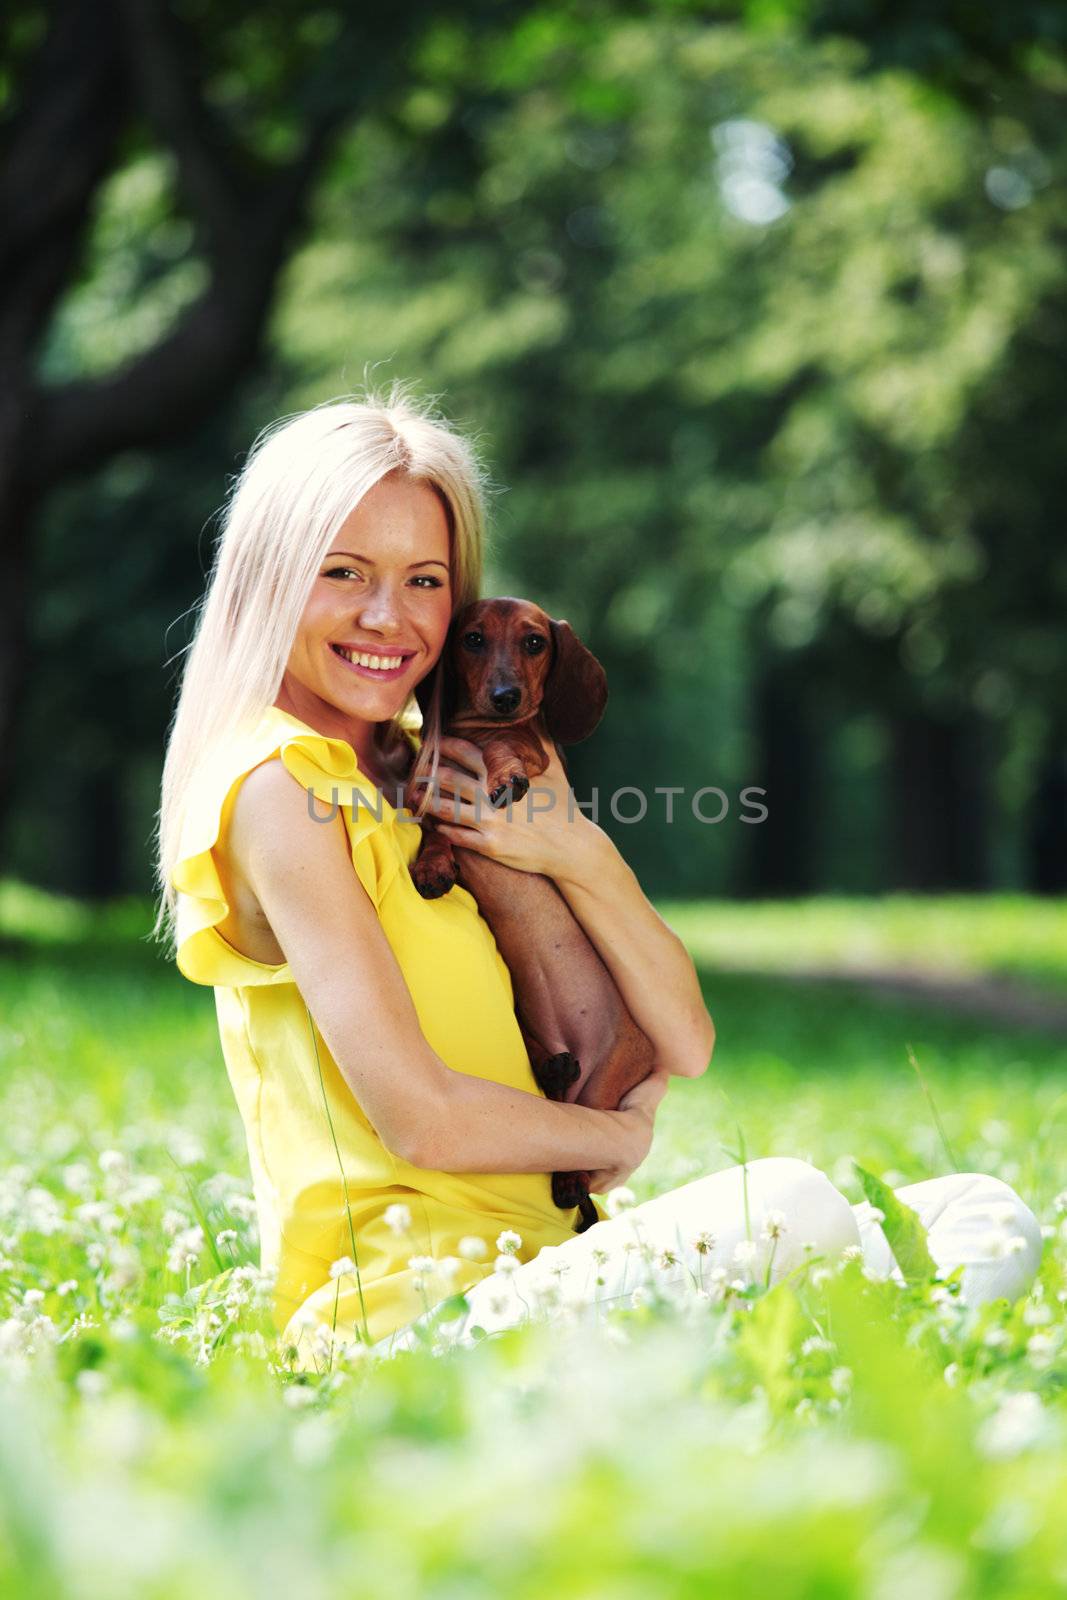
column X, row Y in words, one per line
column 425, row 1112
column 652, row 969
column 651, row 966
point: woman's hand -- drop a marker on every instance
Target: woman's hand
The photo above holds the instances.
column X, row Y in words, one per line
column 543, row 832
column 638, row 1107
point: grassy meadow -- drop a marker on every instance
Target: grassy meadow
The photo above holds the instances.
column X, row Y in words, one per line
column 832, row 1436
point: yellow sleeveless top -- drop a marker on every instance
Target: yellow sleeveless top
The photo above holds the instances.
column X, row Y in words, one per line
column 321, row 1177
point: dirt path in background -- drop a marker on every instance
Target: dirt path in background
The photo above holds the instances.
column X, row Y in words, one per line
column 1009, row 1001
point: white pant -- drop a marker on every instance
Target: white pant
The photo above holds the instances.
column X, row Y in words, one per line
column 757, row 1223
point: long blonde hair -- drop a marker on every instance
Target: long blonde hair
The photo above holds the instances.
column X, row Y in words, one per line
column 304, row 475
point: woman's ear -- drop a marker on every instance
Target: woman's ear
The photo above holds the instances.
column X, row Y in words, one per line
column 576, row 689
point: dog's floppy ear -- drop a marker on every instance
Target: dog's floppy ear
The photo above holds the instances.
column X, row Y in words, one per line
column 576, row 689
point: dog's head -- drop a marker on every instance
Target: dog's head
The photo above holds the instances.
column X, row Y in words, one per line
column 505, row 660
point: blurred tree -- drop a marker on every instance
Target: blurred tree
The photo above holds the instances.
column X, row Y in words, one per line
column 763, row 333
column 211, row 121
column 763, row 325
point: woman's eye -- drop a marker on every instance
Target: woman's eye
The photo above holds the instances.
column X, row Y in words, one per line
column 428, row 577
column 335, row 572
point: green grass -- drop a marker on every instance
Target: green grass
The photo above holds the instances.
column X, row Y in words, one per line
column 957, row 937
column 833, row 1437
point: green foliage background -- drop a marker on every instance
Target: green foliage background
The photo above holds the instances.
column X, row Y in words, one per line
column 759, row 317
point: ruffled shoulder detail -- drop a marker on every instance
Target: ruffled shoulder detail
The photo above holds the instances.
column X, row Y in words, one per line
column 327, row 767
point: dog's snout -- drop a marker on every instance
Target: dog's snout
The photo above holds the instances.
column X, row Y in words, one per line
column 505, row 700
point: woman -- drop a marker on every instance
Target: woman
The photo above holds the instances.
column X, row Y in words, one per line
column 394, row 1128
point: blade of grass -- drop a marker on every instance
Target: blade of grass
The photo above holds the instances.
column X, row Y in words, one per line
column 939, row 1125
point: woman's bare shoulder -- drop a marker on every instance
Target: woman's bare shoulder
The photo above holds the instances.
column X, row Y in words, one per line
column 270, row 812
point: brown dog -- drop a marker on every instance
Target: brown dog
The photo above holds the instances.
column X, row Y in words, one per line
column 513, row 679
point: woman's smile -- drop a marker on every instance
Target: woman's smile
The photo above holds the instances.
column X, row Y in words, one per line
column 382, row 664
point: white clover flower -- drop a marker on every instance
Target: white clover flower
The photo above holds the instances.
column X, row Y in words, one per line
column 952, row 1374
column 704, row 1244
column 639, row 1295
column 774, row 1225
column 448, row 1266
column 820, row 1276
column 841, row 1380
column 619, row 1199
column 242, row 1206
column 600, row 1257
column 815, row 1344
column 745, row 1252
column 298, row 1395
column 397, row 1218
column 226, row 1236
column 90, row 1383
column 851, row 1252
column 509, row 1242
column 343, row 1267
column 472, row 1248
column 506, row 1265
column 875, row 1214
column 1037, row 1316
column 1041, row 1347
column 421, row 1264
column 144, row 1187
column 173, row 1222
column 66, row 1287
column 33, row 1297
column 1018, row 1423
column 185, row 1250
column 667, row 1259
column 112, row 1161
column 1060, row 1202
column 77, row 1177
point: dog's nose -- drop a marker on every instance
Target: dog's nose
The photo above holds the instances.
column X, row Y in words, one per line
column 505, row 700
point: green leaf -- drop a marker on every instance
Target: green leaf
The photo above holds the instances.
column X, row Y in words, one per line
column 767, row 1341
column 902, row 1228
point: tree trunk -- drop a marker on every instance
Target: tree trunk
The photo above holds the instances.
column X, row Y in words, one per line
column 1047, row 830
column 938, row 805
column 781, row 849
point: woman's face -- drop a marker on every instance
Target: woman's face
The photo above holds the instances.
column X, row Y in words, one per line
column 378, row 614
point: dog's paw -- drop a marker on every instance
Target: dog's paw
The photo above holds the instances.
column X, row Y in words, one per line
column 570, row 1189
column 555, row 1075
column 433, row 878
column 512, row 788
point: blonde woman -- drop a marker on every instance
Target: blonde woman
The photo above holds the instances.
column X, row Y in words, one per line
column 395, row 1131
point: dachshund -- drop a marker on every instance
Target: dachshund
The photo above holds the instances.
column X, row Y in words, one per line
column 513, row 680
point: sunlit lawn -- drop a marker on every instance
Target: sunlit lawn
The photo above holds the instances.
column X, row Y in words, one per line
column 807, row 1439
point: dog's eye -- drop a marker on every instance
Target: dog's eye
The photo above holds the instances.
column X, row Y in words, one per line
column 473, row 641
column 533, row 643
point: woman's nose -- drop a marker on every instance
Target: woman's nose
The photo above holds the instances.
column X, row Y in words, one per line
column 381, row 607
